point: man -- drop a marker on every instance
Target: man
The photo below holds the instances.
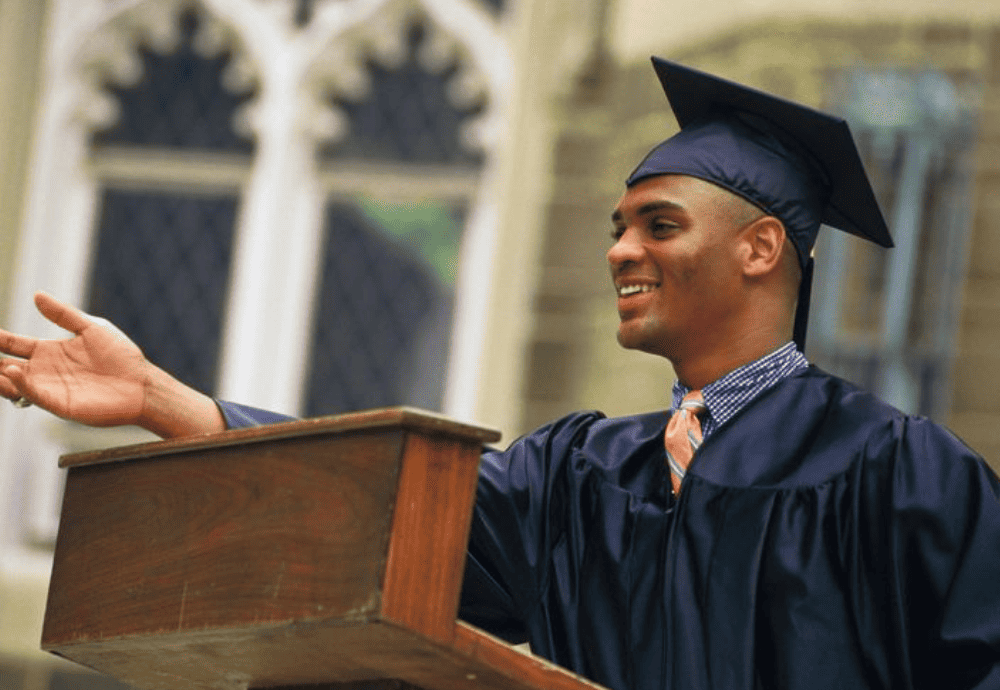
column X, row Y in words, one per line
column 784, row 530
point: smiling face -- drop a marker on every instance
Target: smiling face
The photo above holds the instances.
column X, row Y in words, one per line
column 676, row 265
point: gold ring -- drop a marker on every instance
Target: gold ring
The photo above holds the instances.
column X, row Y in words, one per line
column 21, row 402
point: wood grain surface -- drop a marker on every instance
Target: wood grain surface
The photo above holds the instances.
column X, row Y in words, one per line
column 311, row 654
column 295, row 529
column 406, row 418
column 430, row 535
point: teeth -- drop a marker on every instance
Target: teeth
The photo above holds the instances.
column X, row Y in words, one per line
column 627, row 290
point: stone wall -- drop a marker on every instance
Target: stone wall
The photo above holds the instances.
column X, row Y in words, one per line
column 975, row 411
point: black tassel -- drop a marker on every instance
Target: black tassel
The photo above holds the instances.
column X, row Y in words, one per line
column 802, row 309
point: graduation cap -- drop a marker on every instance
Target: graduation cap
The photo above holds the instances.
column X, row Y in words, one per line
column 795, row 163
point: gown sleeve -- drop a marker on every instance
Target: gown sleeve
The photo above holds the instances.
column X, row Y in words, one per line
column 240, row 416
column 520, row 513
column 945, row 544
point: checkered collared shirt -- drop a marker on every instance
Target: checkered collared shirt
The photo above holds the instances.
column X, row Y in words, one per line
column 728, row 395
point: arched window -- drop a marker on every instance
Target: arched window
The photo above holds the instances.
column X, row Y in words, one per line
column 383, row 310
column 163, row 246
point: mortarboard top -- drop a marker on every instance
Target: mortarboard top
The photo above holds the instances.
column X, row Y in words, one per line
column 796, row 163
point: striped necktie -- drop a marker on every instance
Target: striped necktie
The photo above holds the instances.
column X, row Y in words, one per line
column 683, row 436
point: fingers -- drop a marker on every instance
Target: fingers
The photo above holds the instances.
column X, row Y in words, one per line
column 61, row 314
column 17, row 345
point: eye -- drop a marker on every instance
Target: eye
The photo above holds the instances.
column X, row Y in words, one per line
column 660, row 227
column 617, row 232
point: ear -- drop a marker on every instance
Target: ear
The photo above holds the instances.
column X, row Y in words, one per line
column 762, row 245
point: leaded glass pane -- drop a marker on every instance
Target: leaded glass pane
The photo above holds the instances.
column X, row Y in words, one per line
column 179, row 103
column 384, row 306
column 406, row 116
column 160, row 274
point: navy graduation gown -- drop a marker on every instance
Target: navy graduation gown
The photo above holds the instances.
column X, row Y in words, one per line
column 821, row 540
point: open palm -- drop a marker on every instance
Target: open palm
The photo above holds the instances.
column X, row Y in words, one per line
column 97, row 376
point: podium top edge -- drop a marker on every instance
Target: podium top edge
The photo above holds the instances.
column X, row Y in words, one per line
column 405, row 418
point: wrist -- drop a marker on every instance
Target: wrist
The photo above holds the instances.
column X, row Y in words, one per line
column 172, row 409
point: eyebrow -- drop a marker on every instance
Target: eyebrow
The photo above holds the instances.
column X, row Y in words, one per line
column 648, row 208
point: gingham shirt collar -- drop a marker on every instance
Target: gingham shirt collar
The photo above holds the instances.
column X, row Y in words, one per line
column 731, row 393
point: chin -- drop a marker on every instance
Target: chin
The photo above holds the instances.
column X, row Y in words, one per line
column 648, row 336
column 631, row 340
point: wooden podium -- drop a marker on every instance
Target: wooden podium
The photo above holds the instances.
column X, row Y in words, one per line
column 319, row 552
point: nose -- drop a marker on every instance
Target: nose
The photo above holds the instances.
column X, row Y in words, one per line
column 626, row 249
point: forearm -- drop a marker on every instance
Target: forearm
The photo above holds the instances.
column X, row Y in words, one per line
column 172, row 409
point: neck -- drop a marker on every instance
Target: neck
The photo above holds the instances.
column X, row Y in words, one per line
column 704, row 366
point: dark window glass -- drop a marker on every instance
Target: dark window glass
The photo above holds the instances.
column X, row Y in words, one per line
column 384, row 307
column 406, row 116
column 497, row 5
column 179, row 103
column 160, row 275
column 303, row 12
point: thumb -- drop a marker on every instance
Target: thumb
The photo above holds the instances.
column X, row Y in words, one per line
column 61, row 314
column 13, row 372
column 16, row 380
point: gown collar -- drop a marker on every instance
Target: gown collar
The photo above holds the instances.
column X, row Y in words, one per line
column 726, row 396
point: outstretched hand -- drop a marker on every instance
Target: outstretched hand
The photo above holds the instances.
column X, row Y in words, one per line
column 97, row 376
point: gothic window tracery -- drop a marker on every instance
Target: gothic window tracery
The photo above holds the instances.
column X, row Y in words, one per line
column 407, row 115
column 180, row 102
